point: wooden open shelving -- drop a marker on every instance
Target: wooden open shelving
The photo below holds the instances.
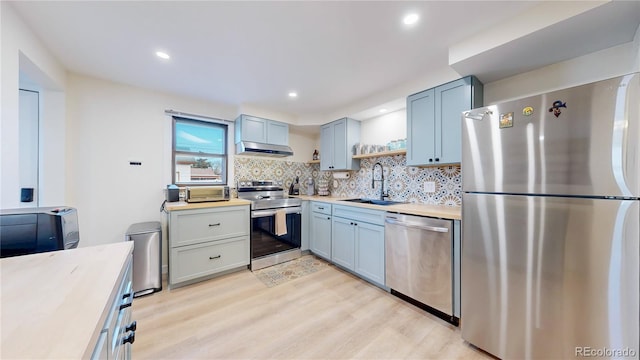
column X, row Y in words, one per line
column 370, row 155
column 381, row 153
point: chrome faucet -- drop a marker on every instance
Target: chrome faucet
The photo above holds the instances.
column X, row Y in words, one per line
column 373, row 179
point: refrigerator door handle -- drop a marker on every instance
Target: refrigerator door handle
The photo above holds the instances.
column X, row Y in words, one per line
column 620, row 140
column 477, row 116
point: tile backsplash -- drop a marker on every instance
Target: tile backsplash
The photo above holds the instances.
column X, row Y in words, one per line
column 402, row 182
column 253, row 168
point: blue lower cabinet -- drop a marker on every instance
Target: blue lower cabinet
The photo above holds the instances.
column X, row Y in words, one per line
column 370, row 252
column 343, row 238
column 357, row 242
column 320, row 230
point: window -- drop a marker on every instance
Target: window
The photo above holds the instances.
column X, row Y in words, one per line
column 199, row 152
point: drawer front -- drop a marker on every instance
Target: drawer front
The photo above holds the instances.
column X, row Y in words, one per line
column 188, row 227
column 194, row 261
column 121, row 312
column 371, row 216
column 321, row 207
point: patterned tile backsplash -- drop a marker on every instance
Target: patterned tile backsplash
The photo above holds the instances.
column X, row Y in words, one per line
column 402, row 182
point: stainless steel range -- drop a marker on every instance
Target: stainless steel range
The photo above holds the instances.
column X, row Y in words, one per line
column 276, row 221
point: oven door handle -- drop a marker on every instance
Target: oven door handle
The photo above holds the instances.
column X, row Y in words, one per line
column 271, row 212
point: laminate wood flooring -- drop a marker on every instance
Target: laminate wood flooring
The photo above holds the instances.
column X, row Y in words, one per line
column 329, row 314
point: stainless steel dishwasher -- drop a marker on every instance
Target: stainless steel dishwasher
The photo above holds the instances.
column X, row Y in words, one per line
column 419, row 255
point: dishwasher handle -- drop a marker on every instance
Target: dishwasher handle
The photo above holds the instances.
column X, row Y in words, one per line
column 415, row 225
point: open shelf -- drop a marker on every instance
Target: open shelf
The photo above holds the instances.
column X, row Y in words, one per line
column 381, row 153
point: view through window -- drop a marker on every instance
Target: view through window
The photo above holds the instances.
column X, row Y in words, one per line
column 199, row 152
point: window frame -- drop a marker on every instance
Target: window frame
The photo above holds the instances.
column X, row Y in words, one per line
column 225, row 156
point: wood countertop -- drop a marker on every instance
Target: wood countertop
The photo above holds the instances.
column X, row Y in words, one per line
column 440, row 211
column 54, row 304
column 182, row 205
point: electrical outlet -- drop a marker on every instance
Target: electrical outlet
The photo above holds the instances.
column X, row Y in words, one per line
column 429, row 186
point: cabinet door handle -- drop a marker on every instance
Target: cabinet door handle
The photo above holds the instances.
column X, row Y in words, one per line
column 328, row 218
column 124, row 306
column 215, row 257
column 430, row 160
column 132, row 327
column 216, row 224
column 131, row 338
column 126, row 296
column 350, row 223
column 437, row 159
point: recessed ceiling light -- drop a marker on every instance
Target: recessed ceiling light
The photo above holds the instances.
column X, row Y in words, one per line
column 410, row 19
column 162, row 55
column 293, row 94
column 383, row 110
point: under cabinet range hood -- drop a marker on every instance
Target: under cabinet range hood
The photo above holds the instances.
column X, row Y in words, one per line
column 261, row 149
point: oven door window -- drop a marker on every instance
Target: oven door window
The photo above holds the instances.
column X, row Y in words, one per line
column 264, row 240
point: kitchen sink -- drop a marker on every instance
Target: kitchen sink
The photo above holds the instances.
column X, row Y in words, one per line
column 374, row 201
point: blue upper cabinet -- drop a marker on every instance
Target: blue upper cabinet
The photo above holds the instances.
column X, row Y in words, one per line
column 420, row 120
column 337, row 139
column 434, row 120
column 277, row 133
column 255, row 129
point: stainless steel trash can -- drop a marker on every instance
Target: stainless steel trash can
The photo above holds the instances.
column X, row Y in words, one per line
column 147, row 255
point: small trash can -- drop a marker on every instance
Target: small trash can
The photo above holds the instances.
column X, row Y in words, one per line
column 147, row 255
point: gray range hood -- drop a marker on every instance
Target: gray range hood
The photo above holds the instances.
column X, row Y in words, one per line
column 261, row 149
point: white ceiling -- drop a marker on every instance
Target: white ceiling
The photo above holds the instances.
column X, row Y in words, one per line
column 238, row 52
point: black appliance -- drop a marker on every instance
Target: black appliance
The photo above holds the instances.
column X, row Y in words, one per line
column 270, row 206
column 294, row 189
column 34, row 230
column 173, row 193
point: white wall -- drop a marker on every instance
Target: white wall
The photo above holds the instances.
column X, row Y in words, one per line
column 600, row 65
column 28, row 143
column 20, row 50
column 302, row 143
column 384, row 128
column 53, row 144
column 110, row 124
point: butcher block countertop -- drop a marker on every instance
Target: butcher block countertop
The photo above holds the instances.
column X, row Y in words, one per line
column 54, row 304
column 439, row 211
column 182, row 205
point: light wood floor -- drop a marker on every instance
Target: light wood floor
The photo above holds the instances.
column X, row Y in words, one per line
column 330, row 314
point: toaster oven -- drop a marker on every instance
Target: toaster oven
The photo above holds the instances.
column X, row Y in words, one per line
column 207, row 193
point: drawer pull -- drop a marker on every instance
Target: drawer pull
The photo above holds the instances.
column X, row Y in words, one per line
column 321, row 208
column 131, row 338
column 124, row 306
column 132, row 327
column 126, row 296
column 215, row 257
column 216, row 224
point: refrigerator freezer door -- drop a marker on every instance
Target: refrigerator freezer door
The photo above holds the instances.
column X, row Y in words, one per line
column 591, row 148
column 547, row 277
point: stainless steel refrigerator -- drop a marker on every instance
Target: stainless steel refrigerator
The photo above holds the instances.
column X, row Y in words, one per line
column 550, row 217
